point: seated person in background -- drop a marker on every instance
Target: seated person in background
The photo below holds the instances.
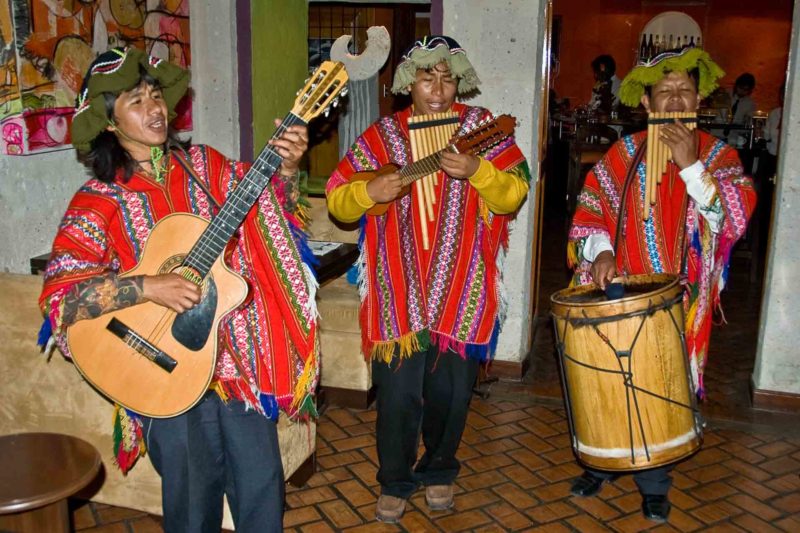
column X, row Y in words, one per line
column 606, row 87
column 742, row 109
column 703, row 205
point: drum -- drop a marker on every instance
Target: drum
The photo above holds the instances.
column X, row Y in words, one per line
column 625, row 374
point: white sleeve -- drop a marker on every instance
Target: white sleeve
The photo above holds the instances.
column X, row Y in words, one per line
column 594, row 244
column 703, row 193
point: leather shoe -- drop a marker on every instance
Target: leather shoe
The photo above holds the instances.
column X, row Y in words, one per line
column 390, row 509
column 588, row 484
column 655, row 507
column 439, row 497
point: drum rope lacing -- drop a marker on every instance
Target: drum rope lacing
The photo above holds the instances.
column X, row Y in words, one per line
column 631, row 388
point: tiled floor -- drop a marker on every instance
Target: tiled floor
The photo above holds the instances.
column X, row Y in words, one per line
column 517, row 461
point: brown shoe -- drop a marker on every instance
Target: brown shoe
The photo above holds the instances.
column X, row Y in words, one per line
column 439, row 497
column 390, row 509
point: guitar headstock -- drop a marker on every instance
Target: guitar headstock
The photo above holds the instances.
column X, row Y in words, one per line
column 320, row 91
column 486, row 135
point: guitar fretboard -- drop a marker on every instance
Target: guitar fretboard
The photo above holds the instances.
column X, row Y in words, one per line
column 425, row 166
column 216, row 236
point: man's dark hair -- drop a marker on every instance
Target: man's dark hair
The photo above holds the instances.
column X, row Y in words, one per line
column 606, row 64
column 746, row 80
column 106, row 155
column 694, row 75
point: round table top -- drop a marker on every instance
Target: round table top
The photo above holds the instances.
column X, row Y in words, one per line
column 37, row 469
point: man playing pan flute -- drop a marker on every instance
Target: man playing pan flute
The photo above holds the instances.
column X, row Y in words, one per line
column 429, row 314
column 702, row 206
column 227, row 443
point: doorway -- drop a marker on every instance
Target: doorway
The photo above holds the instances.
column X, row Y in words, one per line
column 328, row 21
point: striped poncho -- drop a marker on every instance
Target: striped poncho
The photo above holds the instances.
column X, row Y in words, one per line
column 273, row 333
column 656, row 245
column 448, row 295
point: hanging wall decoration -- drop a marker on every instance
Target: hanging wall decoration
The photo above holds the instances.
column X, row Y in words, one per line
column 47, row 45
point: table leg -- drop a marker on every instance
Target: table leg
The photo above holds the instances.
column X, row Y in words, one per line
column 51, row 518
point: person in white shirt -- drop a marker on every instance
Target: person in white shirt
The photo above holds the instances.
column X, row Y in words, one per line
column 606, row 88
column 742, row 109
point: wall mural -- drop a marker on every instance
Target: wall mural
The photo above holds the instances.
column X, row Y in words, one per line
column 47, row 45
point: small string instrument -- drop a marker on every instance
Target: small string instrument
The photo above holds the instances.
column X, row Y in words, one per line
column 476, row 141
column 658, row 153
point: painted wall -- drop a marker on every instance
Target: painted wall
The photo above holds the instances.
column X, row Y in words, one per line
column 35, row 190
column 741, row 35
column 777, row 366
column 503, row 42
column 280, row 61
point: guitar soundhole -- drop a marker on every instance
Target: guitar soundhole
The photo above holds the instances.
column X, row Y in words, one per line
column 192, row 328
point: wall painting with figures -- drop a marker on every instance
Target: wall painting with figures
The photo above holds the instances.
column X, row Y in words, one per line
column 47, row 45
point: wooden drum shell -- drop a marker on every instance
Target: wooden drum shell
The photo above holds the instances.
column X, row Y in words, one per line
column 605, row 434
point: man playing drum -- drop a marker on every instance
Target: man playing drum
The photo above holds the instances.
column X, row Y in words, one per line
column 702, row 206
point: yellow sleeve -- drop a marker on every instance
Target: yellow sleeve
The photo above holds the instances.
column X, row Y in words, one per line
column 502, row 191
column 349, row 202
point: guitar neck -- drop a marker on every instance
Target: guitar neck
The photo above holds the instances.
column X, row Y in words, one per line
column 424, row 167
column 212, row 242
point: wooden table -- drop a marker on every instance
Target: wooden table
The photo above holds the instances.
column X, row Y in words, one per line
column 38, row 473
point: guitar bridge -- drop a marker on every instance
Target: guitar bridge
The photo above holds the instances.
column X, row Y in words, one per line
column 141, row 345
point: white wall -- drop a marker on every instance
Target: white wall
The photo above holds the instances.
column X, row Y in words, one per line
column 35, row 189
column 777, row 366
column 504, row 42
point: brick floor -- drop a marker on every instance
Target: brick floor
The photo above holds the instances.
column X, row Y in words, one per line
column 517, row 460
column 513, row 487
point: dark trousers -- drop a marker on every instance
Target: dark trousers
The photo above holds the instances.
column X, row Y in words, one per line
column 655, row 482
column 429, row 391
column 211, row 450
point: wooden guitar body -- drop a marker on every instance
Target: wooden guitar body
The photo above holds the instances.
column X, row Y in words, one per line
column 117, row 369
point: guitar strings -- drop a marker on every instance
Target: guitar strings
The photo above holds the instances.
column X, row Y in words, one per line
column 203, row 250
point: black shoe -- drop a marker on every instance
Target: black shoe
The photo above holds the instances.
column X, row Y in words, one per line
column 655, row 507
column 588, row 484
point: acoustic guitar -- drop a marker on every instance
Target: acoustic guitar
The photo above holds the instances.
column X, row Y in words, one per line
column 150, row 359
column 472, row 142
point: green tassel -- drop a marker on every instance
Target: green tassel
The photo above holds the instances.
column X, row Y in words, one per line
column 117, row 433
column 156, row 160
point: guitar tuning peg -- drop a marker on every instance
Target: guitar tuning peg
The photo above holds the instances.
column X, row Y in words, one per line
column 327, row 111
column 335, row 102
column 344, row 91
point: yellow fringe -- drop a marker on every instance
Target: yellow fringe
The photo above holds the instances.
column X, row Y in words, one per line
column 572, row 253
column 384, row 350
column 302, row 213
column 690, row 316
column 306, row 380
column 484, row 210
column 217, row 387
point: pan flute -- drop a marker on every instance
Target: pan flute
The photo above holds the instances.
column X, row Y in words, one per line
column 429, row 134
column 658, row 153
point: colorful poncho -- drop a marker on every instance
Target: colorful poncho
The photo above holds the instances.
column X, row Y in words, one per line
column 447, row 295
column 656, row 245
column 273, row 333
